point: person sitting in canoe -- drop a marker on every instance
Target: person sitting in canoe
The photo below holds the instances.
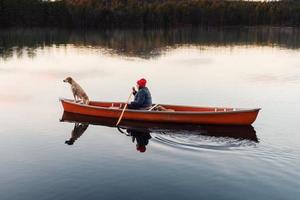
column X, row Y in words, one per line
column 142, row 97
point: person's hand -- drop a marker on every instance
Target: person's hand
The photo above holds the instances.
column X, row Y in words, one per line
column 133, row 90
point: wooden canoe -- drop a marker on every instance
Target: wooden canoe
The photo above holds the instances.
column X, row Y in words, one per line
column 181, row 114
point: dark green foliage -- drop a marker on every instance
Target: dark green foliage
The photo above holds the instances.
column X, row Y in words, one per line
column 33, row 13
column 146, row 13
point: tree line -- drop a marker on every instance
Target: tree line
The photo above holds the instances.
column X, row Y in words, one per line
column 146, row 13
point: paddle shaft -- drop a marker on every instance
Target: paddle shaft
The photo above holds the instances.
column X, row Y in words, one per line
column 121, row 116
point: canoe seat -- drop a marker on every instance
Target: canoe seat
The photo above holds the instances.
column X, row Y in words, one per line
column 113, row 107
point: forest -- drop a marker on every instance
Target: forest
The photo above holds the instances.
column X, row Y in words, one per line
column 146, row 13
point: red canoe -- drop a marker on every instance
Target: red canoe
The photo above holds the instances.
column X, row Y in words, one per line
column 181, row 114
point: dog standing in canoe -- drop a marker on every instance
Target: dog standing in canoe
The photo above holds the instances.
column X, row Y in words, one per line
column 78, row 92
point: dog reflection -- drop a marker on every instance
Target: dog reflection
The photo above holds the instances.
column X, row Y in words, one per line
column 141, row 137
column 78, row 130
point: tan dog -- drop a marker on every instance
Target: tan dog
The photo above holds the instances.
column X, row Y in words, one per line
column 78, row 92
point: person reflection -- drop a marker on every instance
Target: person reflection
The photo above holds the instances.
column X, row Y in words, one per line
column 141, row 136
column 78, row 130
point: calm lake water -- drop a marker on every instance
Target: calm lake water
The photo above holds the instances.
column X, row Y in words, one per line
column 235, row 67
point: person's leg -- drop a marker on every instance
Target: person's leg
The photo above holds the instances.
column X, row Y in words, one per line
column 129, row 106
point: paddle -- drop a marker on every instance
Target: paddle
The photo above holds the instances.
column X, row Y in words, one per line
column 120, row 118
column 153, row 107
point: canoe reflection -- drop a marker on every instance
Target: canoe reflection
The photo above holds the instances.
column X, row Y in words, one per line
column 140, row 131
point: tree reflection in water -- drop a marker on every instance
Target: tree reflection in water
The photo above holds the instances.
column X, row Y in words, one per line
column 143, row 43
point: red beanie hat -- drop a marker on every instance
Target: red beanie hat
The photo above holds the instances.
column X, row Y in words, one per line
column 141, row 149
column 142, row 82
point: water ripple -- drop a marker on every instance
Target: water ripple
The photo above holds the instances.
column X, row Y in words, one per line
column 199, row 142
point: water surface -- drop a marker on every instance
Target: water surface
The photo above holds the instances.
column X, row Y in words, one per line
column 234, row 67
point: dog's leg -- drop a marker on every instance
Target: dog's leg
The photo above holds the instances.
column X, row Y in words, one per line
column 80, row 100
column 77, row 99
column 85, row 101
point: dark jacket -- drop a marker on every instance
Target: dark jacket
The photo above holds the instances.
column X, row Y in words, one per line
column 142, row 136
column 142, row 99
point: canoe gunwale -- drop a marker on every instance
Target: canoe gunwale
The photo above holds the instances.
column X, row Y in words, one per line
column 239, row 110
